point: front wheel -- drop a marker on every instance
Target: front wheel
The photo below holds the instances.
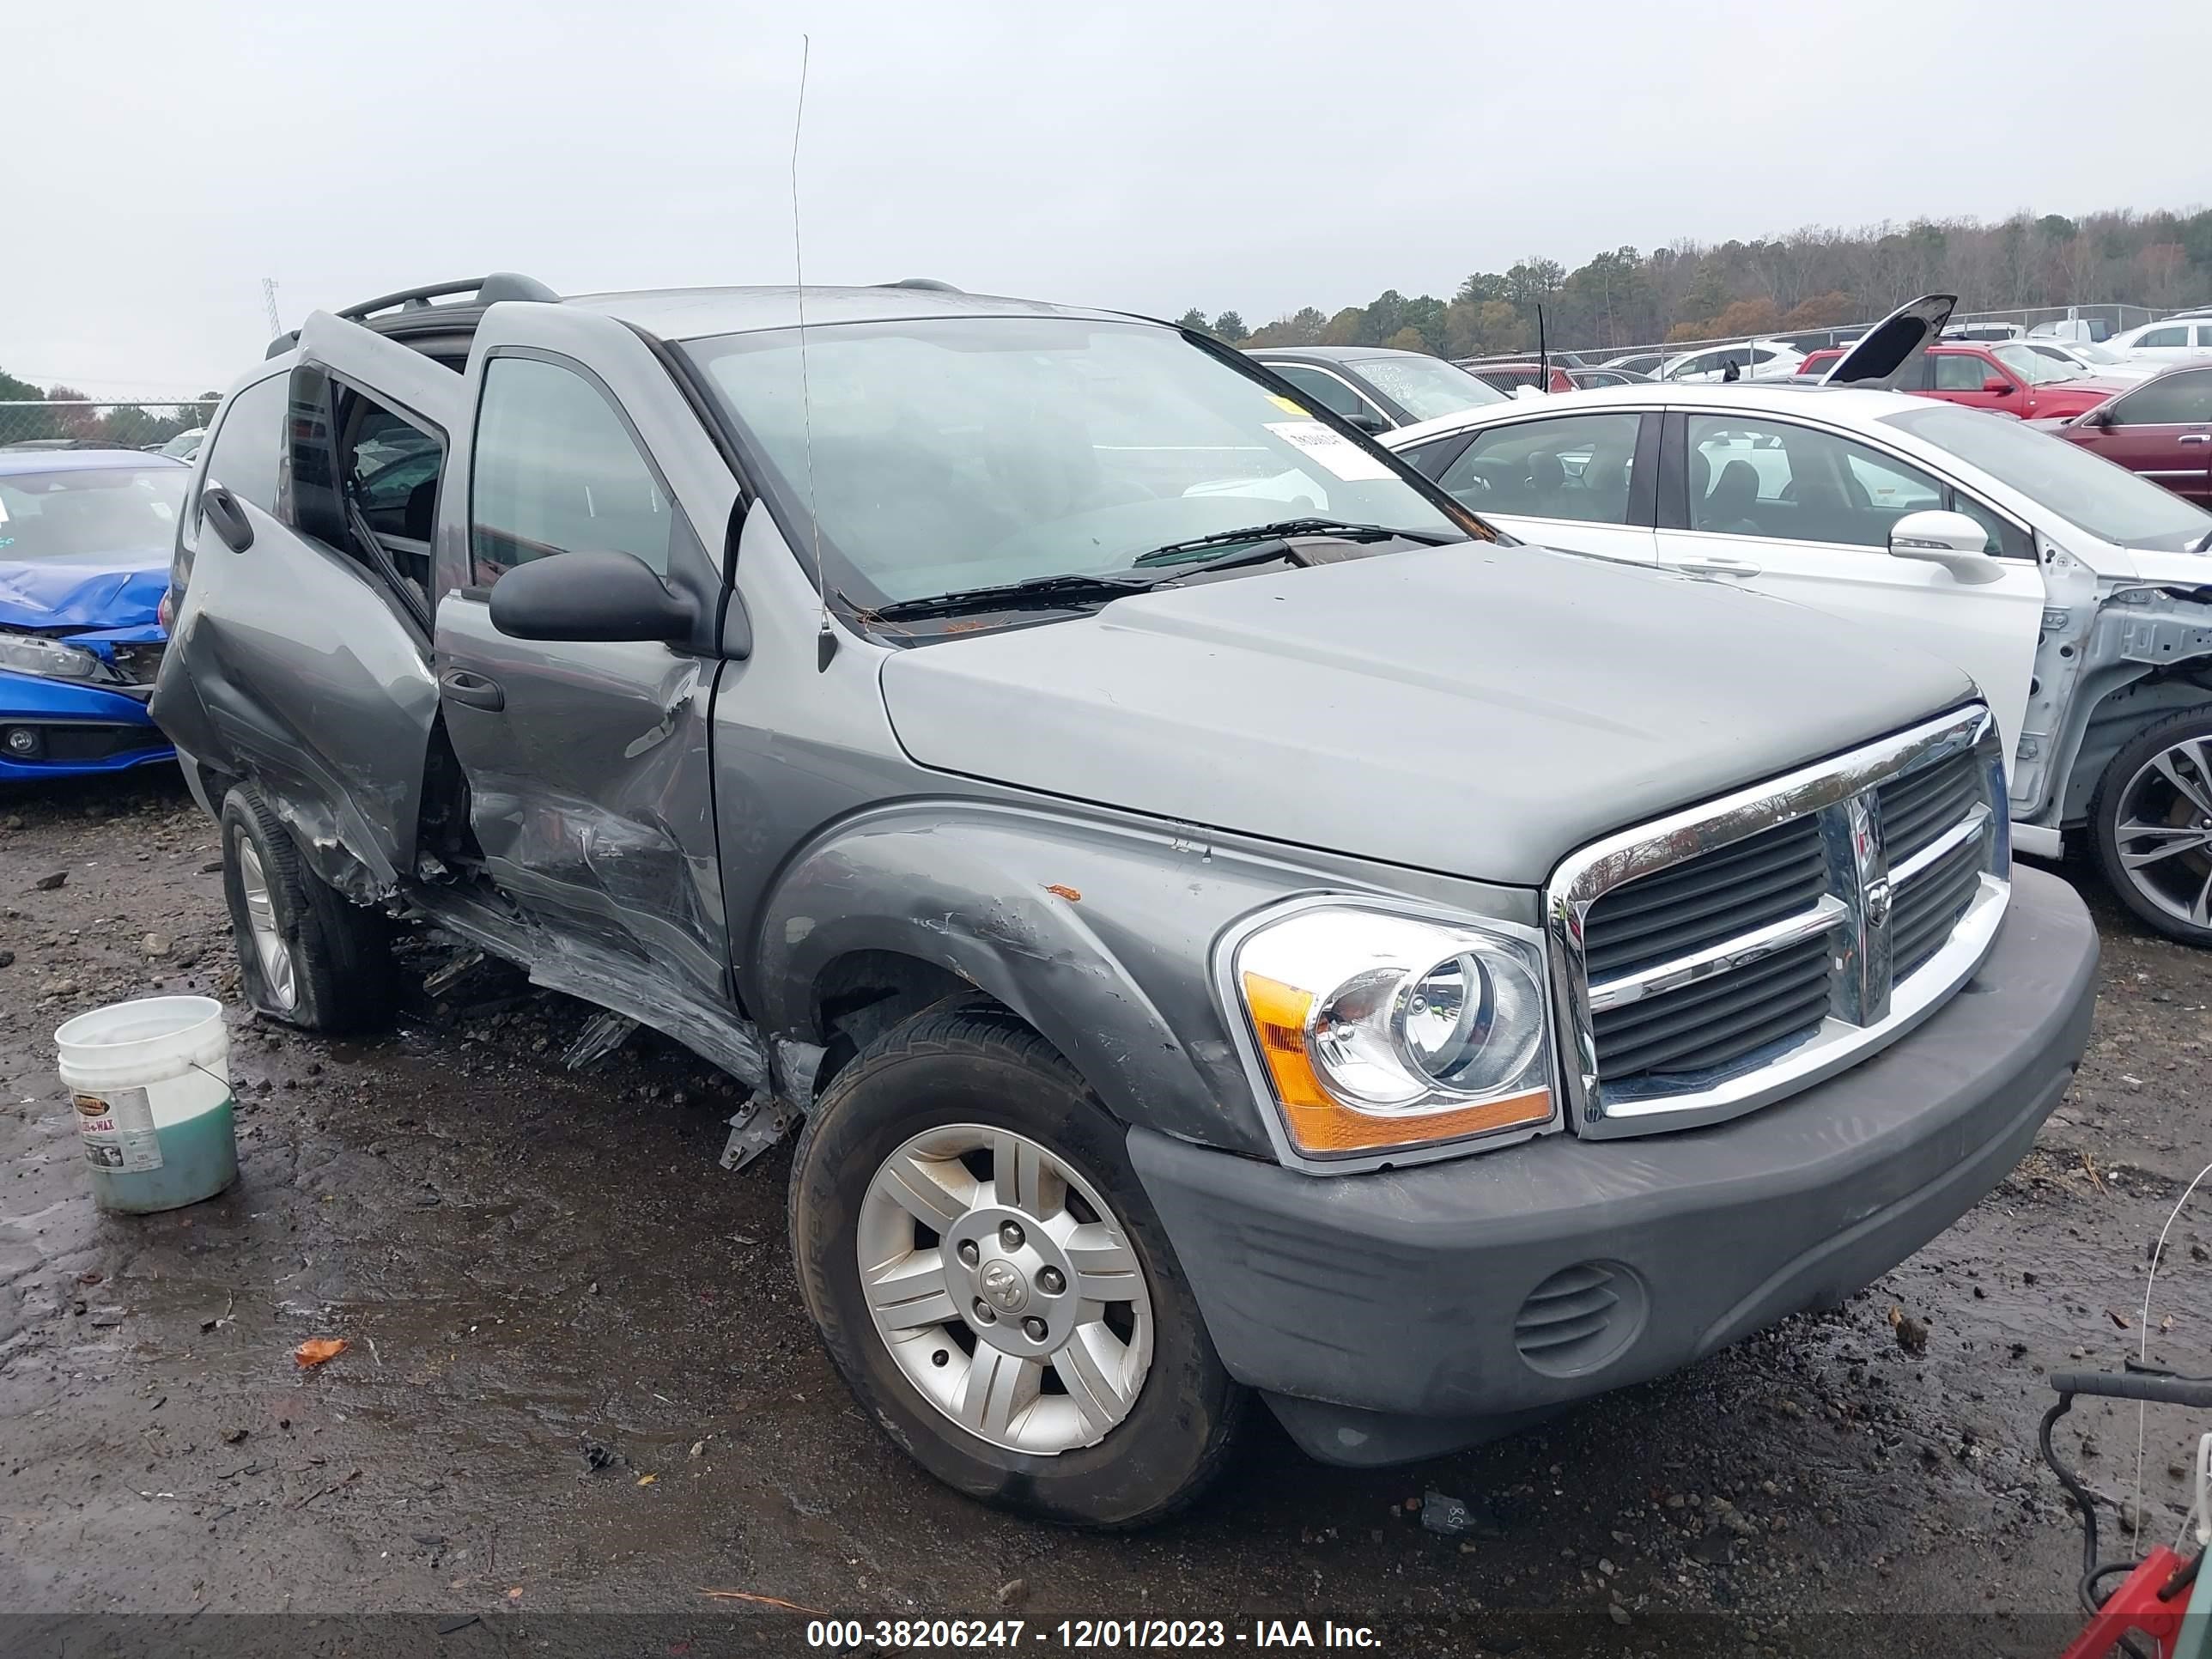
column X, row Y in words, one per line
column 2152, row 822
column 991, row 1282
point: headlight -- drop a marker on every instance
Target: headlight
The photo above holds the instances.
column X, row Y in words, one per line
column 27, row 653
column 1382, row 1032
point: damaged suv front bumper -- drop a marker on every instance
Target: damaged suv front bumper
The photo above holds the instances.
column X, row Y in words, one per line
column 1402, row 1314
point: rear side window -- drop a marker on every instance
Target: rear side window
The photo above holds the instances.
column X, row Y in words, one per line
column 2170, row 401
column 392, row 467
column 244, row 456
column 557, row 471
column 1572, row 466
column 2165, row 336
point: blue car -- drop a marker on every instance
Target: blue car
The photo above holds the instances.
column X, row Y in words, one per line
column 85, row 539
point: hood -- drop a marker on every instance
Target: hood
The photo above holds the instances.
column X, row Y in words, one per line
column 123, row 591
column 2079, row 395
column 1883, row 356
column 1475, row 709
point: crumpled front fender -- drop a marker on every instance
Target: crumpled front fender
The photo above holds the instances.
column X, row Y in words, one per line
column 1099, row 935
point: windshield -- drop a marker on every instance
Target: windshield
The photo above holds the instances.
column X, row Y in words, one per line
column 2035, row 368
column 2107, row 500
column 1426, row 386
column 88, row 514
column 951, row 454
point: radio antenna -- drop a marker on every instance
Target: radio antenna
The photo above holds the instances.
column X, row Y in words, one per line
column 826, row 639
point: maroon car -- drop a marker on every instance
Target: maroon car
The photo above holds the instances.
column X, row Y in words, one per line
column 2005, row 377
column 2161, row 427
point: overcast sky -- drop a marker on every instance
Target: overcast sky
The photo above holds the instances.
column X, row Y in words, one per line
column 160, row 159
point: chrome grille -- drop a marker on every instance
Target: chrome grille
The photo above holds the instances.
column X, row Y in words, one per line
column 1726, row 957
column 1922, row 804
column 1719, row 1020
column 1929, row 907
column 1693, row 906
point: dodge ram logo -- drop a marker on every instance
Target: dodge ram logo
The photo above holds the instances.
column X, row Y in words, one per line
column 1877, row 901
column 1003, row 1286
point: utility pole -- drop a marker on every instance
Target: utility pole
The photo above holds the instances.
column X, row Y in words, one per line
column 269, row 299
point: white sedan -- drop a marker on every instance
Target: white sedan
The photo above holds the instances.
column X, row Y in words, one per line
column 2163, row 342
column 1752, row 360
column 2078, row 596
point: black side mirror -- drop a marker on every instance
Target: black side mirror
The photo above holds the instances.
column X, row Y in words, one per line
column 1370, row 422
column 588, row 596
column 220, row 511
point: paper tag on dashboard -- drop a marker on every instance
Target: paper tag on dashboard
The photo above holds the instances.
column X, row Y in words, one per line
column 1346, row 460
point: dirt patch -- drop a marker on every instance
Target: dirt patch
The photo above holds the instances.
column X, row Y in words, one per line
column 577, row 1378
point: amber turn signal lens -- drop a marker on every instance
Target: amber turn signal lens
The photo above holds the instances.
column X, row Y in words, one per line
column 1320, row 1123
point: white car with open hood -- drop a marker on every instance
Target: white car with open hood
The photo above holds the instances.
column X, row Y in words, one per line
column 2077, row 595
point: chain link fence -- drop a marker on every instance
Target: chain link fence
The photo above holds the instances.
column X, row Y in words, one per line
column 151, row 424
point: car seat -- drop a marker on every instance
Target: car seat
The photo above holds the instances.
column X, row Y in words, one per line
column 1734, row 503
column 1547, row 484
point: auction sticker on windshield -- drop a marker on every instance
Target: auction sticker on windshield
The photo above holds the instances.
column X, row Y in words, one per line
column 1346, row 460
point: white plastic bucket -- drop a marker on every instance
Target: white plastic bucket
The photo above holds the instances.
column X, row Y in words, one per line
column 150, row 1080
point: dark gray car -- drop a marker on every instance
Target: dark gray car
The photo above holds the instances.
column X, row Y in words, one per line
column 1375, row 388
column 1229, row 921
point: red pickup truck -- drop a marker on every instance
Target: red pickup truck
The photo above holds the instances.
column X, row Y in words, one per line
column 2008, row 378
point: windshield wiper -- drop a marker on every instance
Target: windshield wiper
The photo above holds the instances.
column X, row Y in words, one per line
column 1031, row 593
column 1344, row 528
column 1052, row 593
column 2204, row 546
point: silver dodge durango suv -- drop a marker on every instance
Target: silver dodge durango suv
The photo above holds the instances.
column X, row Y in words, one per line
column 1226, row 920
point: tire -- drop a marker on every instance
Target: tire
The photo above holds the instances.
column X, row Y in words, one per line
column 945, row 1077
column 2170, row 808
column 314, row 959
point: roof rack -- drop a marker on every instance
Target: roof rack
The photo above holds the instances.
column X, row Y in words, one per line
column 488, row 290
column 481, row 291
column 929, row 283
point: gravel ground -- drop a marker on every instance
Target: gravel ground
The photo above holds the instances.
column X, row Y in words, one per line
column 529, row 1263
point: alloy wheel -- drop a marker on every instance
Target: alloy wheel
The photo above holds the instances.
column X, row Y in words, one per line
column 1004, row 1289
column 2162, row 831
column 269, row 944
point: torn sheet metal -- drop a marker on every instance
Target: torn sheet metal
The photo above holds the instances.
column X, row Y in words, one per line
column 603, row 1034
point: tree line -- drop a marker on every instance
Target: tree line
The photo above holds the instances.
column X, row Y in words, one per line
column 124, row 426
column 1814, row 277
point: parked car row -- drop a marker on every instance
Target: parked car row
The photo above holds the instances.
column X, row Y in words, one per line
column 1232, row 920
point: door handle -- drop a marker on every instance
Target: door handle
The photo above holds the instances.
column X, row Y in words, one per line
column 2197, row 437
column 1715, row 568
column 474, row 689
